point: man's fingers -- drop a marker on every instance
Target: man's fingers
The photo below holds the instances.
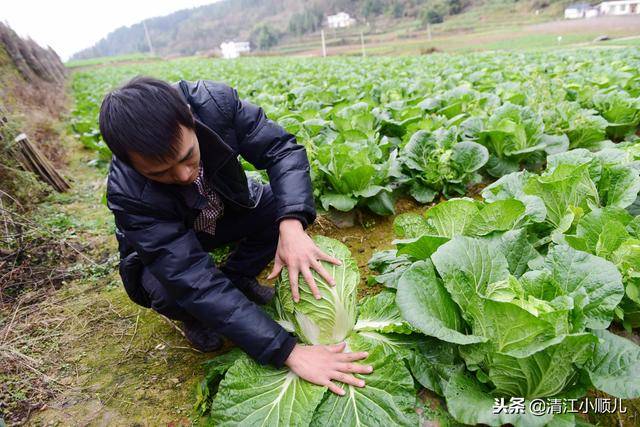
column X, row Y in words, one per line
column 323, row 272
column 308, row 277
column 293, row 279
column 334, row 388
column 348, row 379
column 355, row 368
column 325, row 257
column 277, row 268
column 337, row 348
column 352, row 357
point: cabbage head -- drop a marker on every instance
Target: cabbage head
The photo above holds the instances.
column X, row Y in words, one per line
column 252, row 394
column 330, row 319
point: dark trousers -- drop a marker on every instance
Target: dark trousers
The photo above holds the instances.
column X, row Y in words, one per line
column 255, row 234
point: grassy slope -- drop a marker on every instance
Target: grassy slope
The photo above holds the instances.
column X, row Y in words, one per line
column 481, row 18
column 490, row 35
column 478, row 18
column 455, row 37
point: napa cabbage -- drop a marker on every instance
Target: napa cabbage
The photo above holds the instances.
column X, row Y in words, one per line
column 251, row 394
column 539, row 334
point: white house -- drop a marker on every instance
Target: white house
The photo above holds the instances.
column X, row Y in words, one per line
column 592, row 12
column 580, row 10
column 340, row 20
column 620, row 7
column 232, row 50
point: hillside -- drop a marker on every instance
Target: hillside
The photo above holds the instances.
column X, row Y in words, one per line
column 272, row 24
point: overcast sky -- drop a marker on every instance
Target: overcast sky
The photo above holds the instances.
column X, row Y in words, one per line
column 70, row 26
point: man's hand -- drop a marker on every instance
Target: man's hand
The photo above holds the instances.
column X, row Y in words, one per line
column 319, row 364
column 299, row 254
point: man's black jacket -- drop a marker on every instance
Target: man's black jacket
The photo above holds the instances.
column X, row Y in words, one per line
column 156, row 220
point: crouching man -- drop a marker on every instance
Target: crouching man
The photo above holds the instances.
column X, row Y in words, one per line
column 177, row 191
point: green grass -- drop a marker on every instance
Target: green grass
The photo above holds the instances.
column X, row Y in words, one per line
column 534, row 41
column 109, row 60
column 626, row 42
column 506, row 38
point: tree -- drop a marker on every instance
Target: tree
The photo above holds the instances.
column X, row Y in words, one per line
column 431, row 16
column 396, row 9
column 456, row 6
column 307, row 21
column 372, row 8
column 264, row 36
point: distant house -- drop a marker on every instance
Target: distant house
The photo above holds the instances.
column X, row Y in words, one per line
column 340, row 20
column 580, row 11
column 232, row 50
column 592, row 13
column 620, row 7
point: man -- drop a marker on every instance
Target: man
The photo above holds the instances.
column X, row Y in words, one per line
column 177, row 191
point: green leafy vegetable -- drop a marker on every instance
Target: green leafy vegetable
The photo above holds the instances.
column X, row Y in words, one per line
column 330, row 319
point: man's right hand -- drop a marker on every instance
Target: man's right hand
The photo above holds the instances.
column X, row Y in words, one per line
column 319, row 364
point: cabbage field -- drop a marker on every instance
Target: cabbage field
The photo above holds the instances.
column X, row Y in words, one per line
column 517, row 282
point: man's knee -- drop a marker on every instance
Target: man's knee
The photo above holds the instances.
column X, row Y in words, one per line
column 161, row 300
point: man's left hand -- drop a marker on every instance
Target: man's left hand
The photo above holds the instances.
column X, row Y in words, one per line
column 299, row 254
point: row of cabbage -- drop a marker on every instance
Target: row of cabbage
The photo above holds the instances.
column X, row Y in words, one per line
column 379, row 127
column 521, row 286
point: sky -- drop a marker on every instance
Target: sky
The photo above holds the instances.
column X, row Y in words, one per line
column 70, row 26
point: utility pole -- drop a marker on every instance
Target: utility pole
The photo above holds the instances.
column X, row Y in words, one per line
column 428, row 31
column 146, row 33
column 362, row 44
column 324, row 46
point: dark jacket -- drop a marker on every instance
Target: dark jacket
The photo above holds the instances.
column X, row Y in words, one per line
column 156, row 220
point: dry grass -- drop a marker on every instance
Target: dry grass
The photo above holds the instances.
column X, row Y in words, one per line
column 30, row 257
column 25, row 340
column 35, row 258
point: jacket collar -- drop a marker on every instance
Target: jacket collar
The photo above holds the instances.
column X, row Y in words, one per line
column 214, row 152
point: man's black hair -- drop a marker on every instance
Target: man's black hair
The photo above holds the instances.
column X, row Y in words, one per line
column 143, row 116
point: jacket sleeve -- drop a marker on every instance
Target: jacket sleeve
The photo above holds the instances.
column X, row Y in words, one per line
column 175, row 257
column 266, row 145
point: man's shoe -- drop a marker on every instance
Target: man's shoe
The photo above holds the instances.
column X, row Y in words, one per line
column 202, row 338
column 253, row 290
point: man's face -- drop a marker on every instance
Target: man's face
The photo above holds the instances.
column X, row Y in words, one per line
column 182, row 170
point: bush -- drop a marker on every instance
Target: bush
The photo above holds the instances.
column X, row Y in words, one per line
column 264, row 36
column 432, row 16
